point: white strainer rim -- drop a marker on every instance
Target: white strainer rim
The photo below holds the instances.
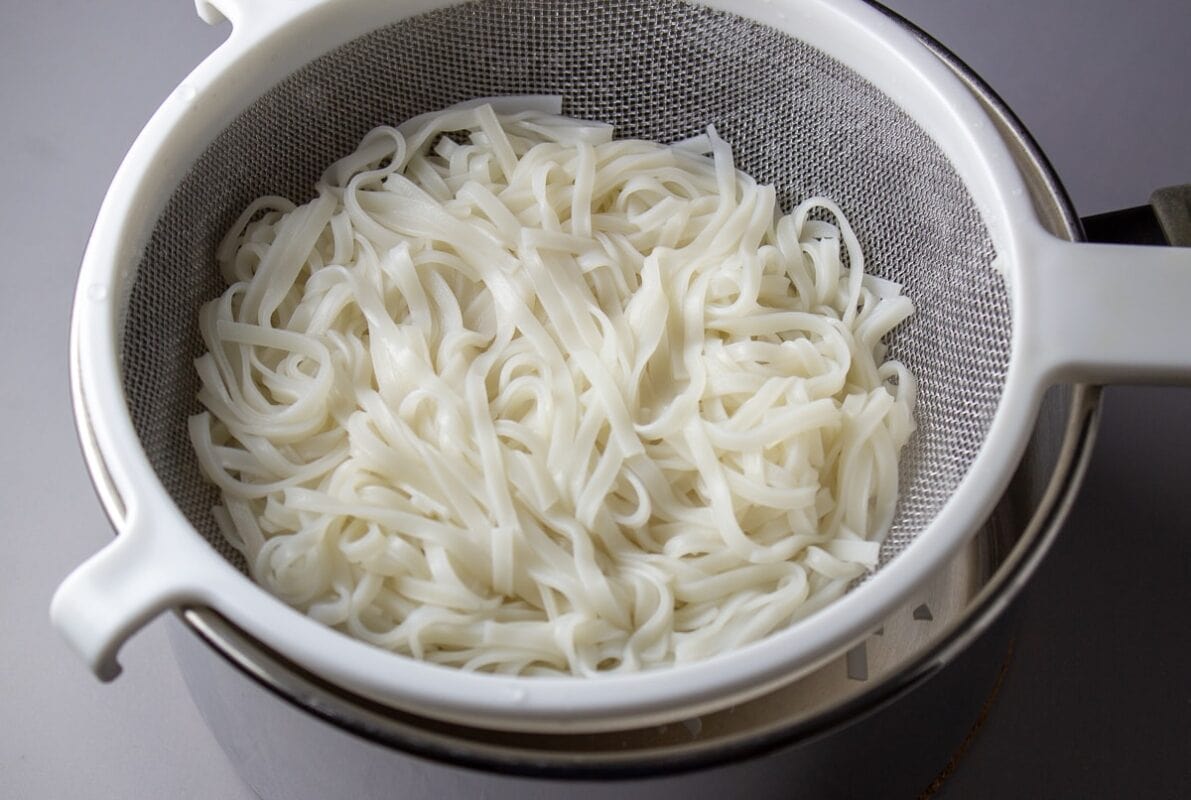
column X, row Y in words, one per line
column 164, row 563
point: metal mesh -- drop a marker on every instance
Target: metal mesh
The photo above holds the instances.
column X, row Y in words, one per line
column 657, row 69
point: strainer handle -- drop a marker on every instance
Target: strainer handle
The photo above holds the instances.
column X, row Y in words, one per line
column 1105, row 313
column 121, row 588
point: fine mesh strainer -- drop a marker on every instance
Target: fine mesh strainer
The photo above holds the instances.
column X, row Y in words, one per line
column 815, row 96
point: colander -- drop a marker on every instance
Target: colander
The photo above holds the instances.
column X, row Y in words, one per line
column 816, row 96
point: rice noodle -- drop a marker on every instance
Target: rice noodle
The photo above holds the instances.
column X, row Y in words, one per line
column 529, row 399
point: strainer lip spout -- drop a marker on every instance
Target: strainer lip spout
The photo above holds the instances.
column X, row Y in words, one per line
column 851, row 31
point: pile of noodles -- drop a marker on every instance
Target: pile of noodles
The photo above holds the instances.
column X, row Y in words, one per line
column 528, row 399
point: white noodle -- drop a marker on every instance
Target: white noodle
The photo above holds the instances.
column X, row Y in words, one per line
column 531, row 400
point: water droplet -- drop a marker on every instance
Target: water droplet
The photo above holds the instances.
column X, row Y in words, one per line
column 516, row 694
column 97, row 291
column 186, row 92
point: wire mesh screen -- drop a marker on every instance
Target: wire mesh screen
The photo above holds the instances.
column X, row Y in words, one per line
column 656, row 69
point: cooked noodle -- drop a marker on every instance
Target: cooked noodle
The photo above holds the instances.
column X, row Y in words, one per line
column 528, row 399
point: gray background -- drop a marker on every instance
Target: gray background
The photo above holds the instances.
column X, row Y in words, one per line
column 1097, row 703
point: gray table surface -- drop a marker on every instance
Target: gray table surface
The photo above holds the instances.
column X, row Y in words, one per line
column 1097, row 703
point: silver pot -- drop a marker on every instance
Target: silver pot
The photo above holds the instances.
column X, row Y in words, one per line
column 941, row 656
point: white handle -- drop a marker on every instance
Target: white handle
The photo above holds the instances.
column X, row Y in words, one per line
column 1106, row 313
column 121, row 588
